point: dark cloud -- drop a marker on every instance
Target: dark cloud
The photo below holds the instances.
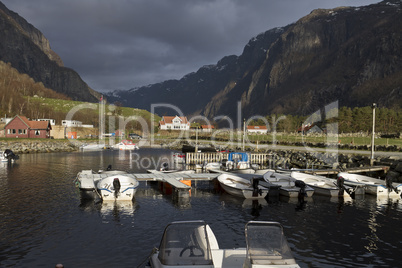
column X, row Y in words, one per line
column 126, row 43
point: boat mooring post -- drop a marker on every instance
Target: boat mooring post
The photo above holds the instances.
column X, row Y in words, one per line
column 372, row 136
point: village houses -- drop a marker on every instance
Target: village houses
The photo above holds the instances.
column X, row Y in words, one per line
column 174, row 123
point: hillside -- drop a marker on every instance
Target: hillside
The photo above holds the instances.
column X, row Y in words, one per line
column 352, row 55
column 20, row 94
column 27, row 50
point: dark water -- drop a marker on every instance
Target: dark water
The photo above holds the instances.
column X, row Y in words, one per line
column 44, row 222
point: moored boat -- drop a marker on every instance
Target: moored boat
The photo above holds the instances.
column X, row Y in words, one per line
column 239, row 163
column 126, row 145
column 193, row 244
column 372, row 186
column 241, row 187
column 322, row 185
column 289, row 186
column 117, row 187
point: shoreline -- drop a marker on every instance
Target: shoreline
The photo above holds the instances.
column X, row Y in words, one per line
column 293, row 155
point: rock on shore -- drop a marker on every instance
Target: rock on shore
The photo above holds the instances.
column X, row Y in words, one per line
column 35, row 146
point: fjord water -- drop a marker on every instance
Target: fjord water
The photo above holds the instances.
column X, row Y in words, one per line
column 43, row 221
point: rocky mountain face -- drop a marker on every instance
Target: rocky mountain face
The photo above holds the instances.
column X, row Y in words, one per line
column 349, row 54
column 27, row 49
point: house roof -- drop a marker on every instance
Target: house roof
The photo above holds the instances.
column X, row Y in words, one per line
column 257, row 127
column 305, row 127
column 169, row 119
column 207, row 126
column 31, row 124
column 39, row 124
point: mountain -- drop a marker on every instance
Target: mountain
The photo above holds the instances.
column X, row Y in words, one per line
column 348, row 54
column 27, row 49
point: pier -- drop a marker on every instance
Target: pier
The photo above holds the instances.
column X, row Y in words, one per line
column 349, row 170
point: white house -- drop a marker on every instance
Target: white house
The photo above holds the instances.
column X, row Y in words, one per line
column 257, row 129
column 52, row 121
column 174, row 123
column 71, row 123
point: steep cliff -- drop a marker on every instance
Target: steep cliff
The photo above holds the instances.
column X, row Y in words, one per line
column 348, row 54
column 27, row 49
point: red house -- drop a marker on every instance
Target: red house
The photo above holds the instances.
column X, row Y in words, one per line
column 21, row 127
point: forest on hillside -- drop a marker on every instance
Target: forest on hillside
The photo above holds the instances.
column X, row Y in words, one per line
column 16, row 92
column 20, row 94
column 349, row 120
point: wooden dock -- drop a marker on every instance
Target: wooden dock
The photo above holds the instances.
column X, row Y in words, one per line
column 349, row 170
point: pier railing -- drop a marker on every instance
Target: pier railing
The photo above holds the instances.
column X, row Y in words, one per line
column 200, row 158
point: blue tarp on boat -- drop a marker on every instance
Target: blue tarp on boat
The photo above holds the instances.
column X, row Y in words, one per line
column 238, row 157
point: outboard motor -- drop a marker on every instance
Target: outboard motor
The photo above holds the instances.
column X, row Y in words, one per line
column 340, row 182
column 116, row 186
column 302, row 191
column 256, row 190
column 223, row 162
column 10, row 155
column 165, row 166
column 388, row 181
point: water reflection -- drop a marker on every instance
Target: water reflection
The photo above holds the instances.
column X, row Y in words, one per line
column 114, row 210
column 378, row 206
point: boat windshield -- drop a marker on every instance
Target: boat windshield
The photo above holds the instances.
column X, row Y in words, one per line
column 266, row 244
column 185, row 243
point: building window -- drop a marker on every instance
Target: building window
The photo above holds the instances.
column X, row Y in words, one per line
column 11, row 131
column 22, row 131
column 37, row 132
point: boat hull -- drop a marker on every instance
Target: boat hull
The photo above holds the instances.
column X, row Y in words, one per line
column 321, row 185
column 125, row 191
column 287, row 184
column 240, row 187
column 372, row 186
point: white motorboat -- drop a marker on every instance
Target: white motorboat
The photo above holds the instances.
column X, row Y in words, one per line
column 193, row 244
column 211, row 165
column 372, row 186
column 92, row 147
column 86, row 181
column 175, row 171
column 322, row 185
column 117, row 187
column 289, row 186
column 242, row 187
column 165, row 169
column 126, row 145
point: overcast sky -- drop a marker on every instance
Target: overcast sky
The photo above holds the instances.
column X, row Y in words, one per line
column 122, row 44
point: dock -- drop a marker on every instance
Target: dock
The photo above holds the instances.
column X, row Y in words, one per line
column 349, row 170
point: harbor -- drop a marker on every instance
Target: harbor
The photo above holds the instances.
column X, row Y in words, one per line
column 43, row 212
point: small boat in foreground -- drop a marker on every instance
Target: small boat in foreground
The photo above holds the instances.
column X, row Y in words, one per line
column 193, row 244
column 242, row 187
column 117, row 187
column 372, row 186
column 289, row 186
